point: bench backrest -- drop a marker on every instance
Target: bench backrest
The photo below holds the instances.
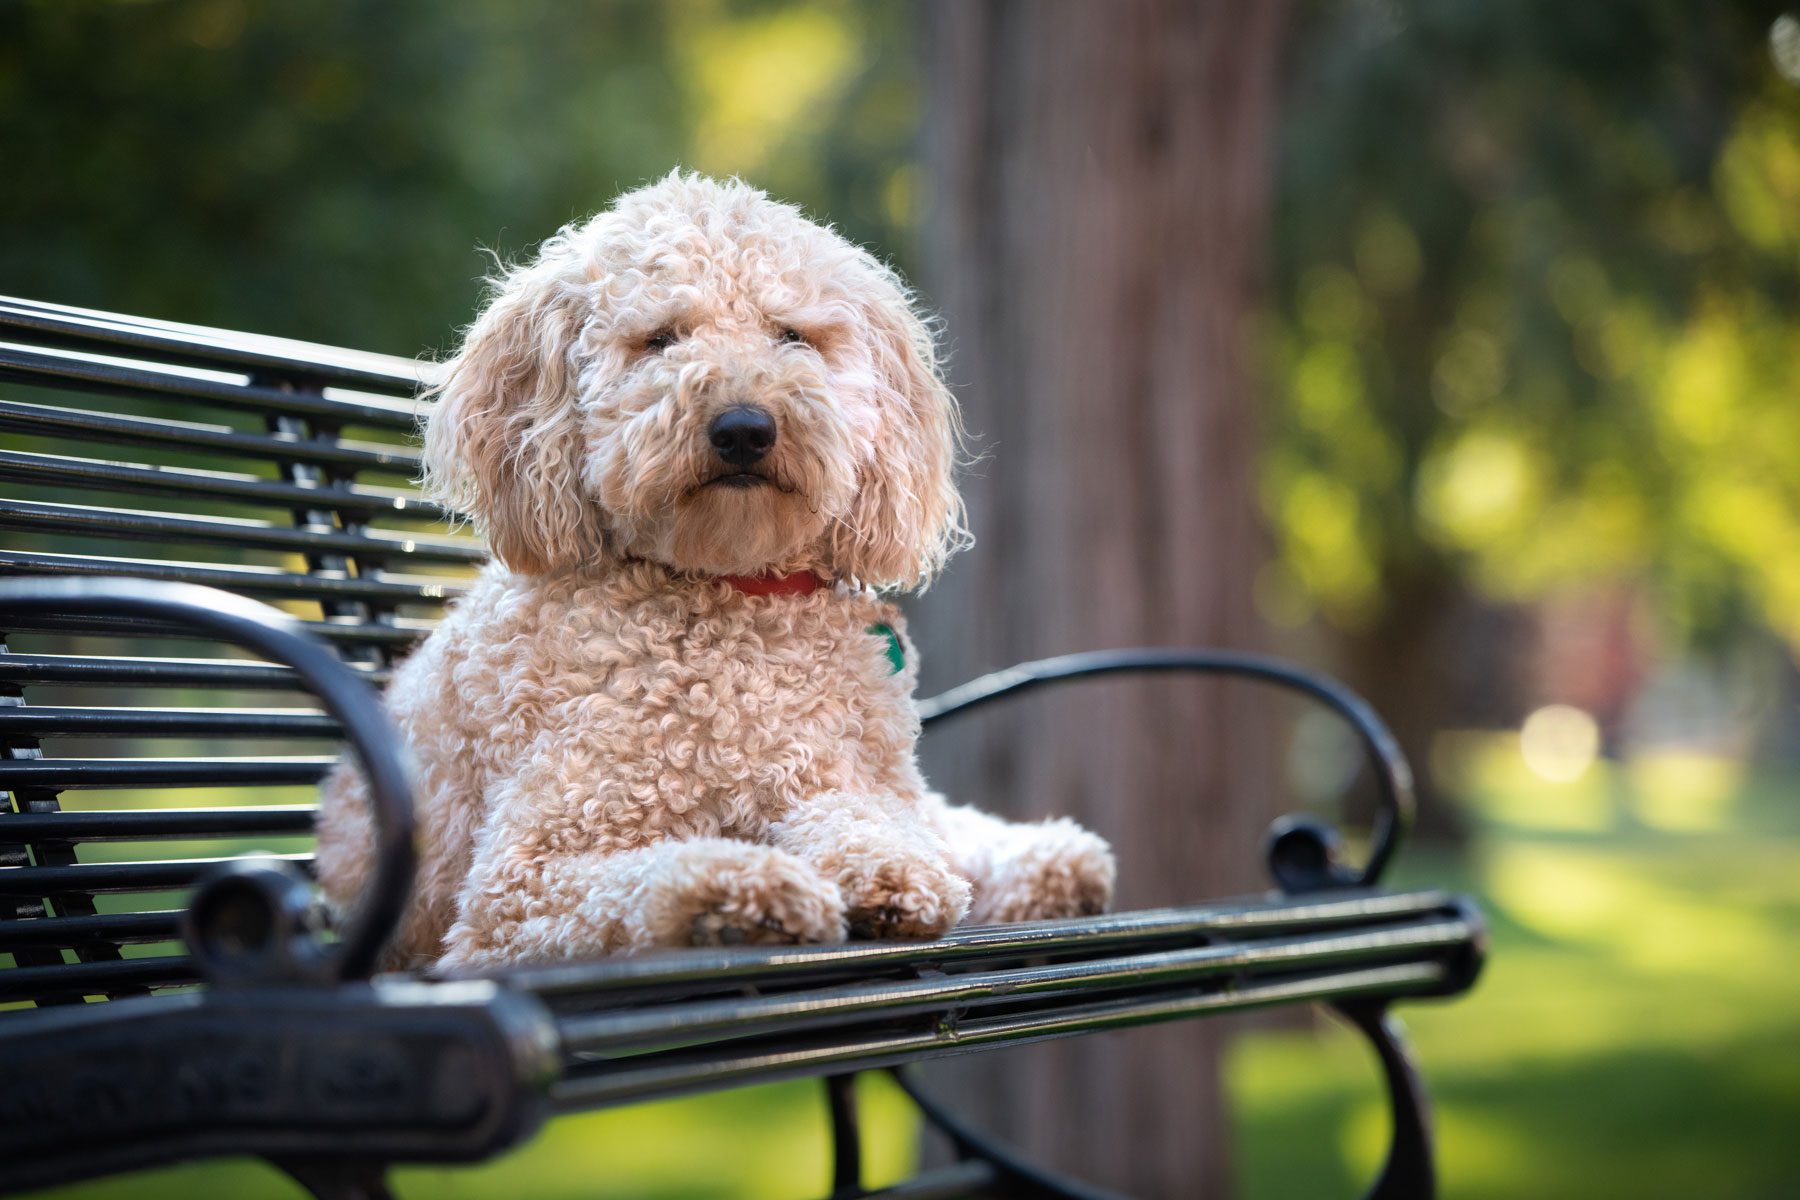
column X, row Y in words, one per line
column 130, row 761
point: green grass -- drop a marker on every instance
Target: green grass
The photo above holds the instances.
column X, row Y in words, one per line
column 1636, row 1034
column 753, row 1142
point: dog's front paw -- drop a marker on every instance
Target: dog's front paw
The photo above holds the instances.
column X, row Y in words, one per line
column 746, row 894
column 1062, row 870
column 900, row 896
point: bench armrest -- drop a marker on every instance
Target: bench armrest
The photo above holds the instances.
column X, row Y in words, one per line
column 188, row 608
column 1304, row 854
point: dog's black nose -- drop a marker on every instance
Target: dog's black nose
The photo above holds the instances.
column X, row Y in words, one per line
column 743, row 434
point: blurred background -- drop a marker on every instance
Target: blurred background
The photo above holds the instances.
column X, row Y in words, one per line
column 1452, row 347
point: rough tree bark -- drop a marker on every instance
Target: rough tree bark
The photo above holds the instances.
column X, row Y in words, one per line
column 1097, row 184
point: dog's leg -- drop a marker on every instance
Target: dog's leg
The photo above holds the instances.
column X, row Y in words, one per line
column 891, row 865
column 1025, row 871
column 345, row 859
column 519, row 907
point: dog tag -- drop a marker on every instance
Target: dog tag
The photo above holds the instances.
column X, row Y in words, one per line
column 896, row 654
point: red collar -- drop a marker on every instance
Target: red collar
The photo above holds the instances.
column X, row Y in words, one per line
column 799, row 583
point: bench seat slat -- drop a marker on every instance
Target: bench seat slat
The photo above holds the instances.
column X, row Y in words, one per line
column 266, row 581
column 395, row 631
column 54, row 420
column 201, row 345
column 114, row 378
column 132, row 824
column 675, row 1074
column 47, row 721
column 95, row 978
column 19, row 670
column 721, row 1020
column 68, row 932
column 58, row 470
column 161, row 772
column 116, row 877
column 622, row 980
column 94, row 521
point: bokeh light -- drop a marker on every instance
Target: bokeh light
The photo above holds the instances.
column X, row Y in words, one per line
column 1559, row 742
column 1784, row 46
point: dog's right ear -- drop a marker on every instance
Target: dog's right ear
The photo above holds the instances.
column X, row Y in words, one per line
column 502, row 442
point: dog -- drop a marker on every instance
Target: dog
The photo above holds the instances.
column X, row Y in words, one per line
column 704, row 436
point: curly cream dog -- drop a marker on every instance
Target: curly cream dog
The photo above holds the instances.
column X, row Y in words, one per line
column 699, row 432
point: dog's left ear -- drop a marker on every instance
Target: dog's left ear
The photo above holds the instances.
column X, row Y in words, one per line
column 908, row 516
column 502, row 442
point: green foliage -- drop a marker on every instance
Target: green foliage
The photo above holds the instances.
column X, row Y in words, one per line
column 1534, row 317
column 328, row 170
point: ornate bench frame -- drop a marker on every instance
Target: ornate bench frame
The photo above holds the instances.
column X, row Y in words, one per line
column 289, row 1050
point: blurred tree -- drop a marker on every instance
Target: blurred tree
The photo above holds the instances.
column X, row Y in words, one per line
column 330, row 170
column 1534, row 324
column 1098, row 185
column 322, row 170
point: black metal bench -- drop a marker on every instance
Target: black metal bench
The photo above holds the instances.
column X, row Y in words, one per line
column 234, row 1025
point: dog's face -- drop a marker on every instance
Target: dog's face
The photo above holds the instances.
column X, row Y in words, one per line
column 702, row 377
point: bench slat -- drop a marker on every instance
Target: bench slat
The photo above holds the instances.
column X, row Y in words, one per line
column 19, row 670
column 713, row 1021
column 117, row 877
column 202, row 345
column 266, row 581
column 160, row 772
column 48, row 721
column 95, row 978
column 91, row 520
column 68, row 932
column 40, row 369
column 619, row 981
column 112, row 825
column 392, row 631
column 58, row 470
column 675, row 1074
column 54, row 420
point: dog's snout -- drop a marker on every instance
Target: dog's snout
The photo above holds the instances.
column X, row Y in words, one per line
column 742, row 435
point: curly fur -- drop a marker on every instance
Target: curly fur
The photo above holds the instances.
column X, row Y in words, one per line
column 616, row 747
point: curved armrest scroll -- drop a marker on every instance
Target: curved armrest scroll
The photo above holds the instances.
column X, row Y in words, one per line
column 1303, row 853
column 274, row 636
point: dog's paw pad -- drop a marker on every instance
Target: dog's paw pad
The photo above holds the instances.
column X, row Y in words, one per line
column 768, row 900
column 715, row 928
column 905, row 898
column 882, row 921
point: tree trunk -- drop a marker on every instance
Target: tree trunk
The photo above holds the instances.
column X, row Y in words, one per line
column 1097, row 183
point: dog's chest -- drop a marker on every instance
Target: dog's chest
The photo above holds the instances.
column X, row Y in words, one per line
column 758, row 702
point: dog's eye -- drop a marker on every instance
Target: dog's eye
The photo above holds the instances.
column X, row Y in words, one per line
column 790, row 336
column 661, row 340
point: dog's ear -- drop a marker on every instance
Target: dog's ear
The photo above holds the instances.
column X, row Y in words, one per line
column 908, row 516
column 502, row 442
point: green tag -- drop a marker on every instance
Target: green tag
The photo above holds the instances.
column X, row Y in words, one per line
column 896, row 654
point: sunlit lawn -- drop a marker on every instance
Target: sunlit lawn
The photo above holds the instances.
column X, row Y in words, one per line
column 753, row 1142
column 1637, row 1033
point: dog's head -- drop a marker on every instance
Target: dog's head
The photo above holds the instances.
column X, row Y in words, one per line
column 702, row 377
